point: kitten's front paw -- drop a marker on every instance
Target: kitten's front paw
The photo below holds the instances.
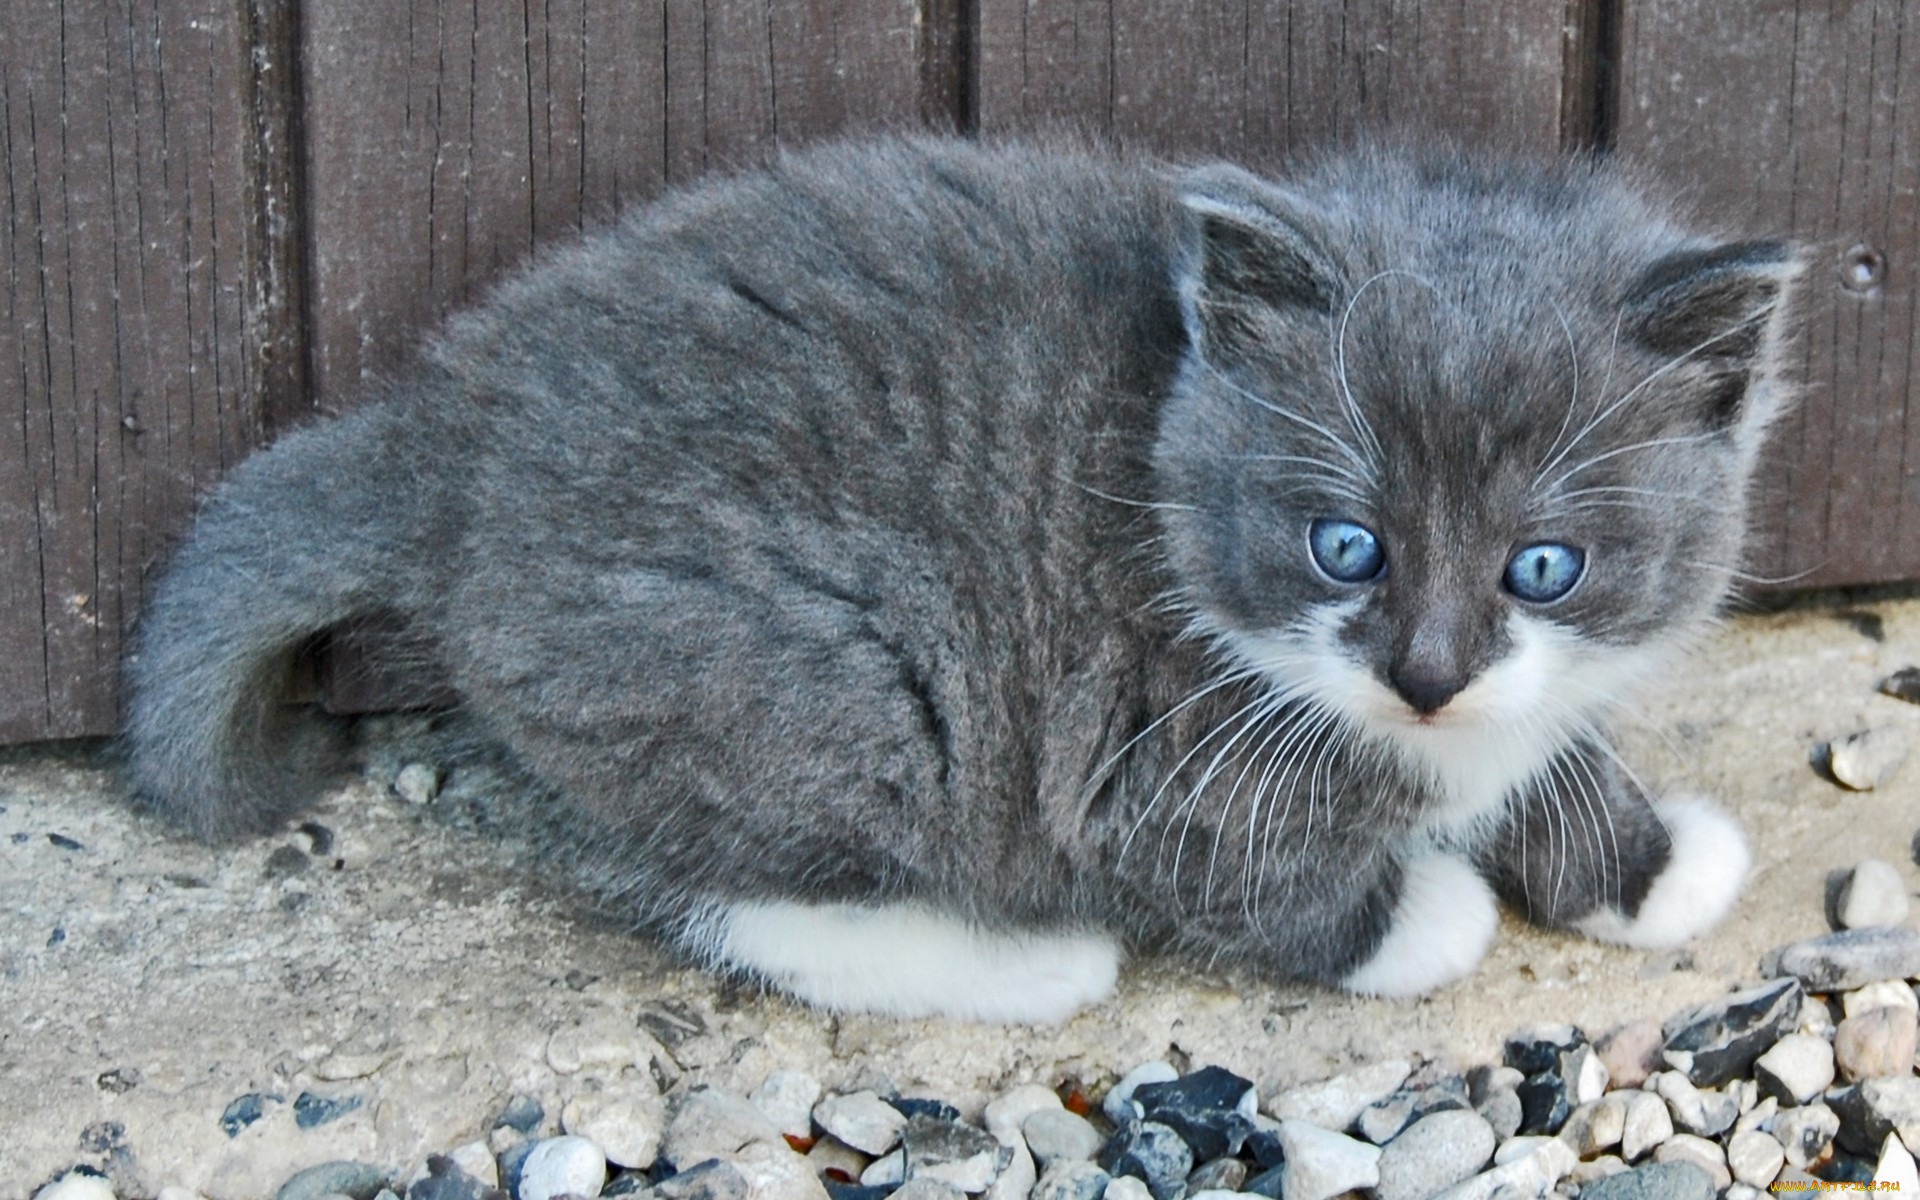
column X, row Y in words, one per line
column 1702, row 879
column 1441, row 929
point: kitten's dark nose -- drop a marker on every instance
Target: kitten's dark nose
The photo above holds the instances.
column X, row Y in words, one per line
column 1425, row 686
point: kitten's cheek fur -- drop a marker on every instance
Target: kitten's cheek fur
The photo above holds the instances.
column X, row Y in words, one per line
column 1702, row 878
column 1442, row 926
column 907, row 961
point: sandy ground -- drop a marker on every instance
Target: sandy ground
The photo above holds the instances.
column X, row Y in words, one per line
column 146, row 982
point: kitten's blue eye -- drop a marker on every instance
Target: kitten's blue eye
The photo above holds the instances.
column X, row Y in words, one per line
column 1348, row 553
column 1544, row 573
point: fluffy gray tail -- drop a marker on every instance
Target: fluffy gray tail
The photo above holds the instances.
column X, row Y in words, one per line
column 298, row 538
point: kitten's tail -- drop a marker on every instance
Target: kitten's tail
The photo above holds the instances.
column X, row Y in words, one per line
column 304, row 535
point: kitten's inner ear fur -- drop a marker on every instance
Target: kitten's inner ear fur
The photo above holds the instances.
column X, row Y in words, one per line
column 1256, row 255
column 1714, row 308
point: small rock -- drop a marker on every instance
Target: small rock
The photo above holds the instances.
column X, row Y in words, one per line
column 477, row 1162
column 710, row 1180
column 244, row 1111
column 1532, row 1175
column 312, row 1110
column 1873, row 1108
column 1209, row 1109
column 1596, row 1126
column 77, row 1185
column 1725, row 1037
column 1071, row 1181
column 1220, row 1175
column 952, row 1152
column 1606, row 1166
column 1126, row 1187
column 709, row 1123
column 923, row 1106
column 1797, row 1068
column 1806, row 1133
column 861, row 1120
column 1648, row 1123
column 1903, row 684
column 1271, row 1183
column 562, row 1166
column 888, row 1171
column 1755, row 1158
column 1429, row 1090
column 774, row 1172
column 1896, row 1168
column 1877, row 1042
column 1865, row 760
column 1017, row 1175
column 1740, row 1191
column 1872, row 893
column 1632, row 1052
column 1851, row 958
column 1007, row 1113
column 1334, row 1103
column 1759, row 1117
column 1655, row 1181
column 1056, row 1135
column 1323, row 1164
column 1539, row 1048
column 1544, row 1103
column 1888, row 993
column 1703, row 1113
column 1516, row 1148
column 417, row 783
column 786, row 1098
column 1698, row 1151
column 1151, row 1152
column 829, row 1154
column 602, row 1039
column 1118, row 1103
column 442, row 1179
column 627, row 1128
column 521, row 1113
column 1437, row 1150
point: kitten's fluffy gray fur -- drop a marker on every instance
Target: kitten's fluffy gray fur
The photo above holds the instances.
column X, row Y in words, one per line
column 898, row 562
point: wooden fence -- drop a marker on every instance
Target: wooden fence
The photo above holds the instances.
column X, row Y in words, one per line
column 223, row 216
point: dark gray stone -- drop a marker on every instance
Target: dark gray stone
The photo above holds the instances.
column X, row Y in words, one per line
column 1725, row 1037
column 311, row 1109
column 446, row 1181
column 1532, row 1051
column 1655, row 1181
column 951, row 1152
column 1544, row 1104
column 1151, row 1152
column 522, row 1114
column 1872, row 1109
column 710, row 1180
column 245, row 1110
column 358, row 1180
column 1203, row 1108
column 1269, row 1183
column 1847, row 959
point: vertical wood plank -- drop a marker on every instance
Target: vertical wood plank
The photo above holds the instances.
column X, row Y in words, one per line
column 147, row 317
column 446, row 140
column 1257, row 80
column 1808, row 122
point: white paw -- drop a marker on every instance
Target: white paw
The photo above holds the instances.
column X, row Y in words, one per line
column 1441, row 929
column 1701, row 881
column 907, row 961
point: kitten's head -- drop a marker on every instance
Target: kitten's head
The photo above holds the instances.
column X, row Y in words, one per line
column 1461, row 450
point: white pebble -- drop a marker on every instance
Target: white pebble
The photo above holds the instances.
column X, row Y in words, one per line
column 787, row 1099
column 1126, row 1187
column 1755, row 1158
column 889, row 1170
column 1005, row 1114
column 1648, row 1123
column 76, row 1185
column 1896, row 1167
column 1322, row 1164
column 1685, row 1147
column 1800, row 1063
column 1016, row 1180
column 775, row 1172
column 1334, row 1103
column 1516, row 1148
column 626, row 1128
column 563, row 1166
column 1118, row 1103
column 1888, row 993
column 861, row 1120
column 1874, row 894
column 1530, row 1175
column 1866, row 760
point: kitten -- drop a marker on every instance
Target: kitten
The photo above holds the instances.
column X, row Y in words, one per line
column 920, row 569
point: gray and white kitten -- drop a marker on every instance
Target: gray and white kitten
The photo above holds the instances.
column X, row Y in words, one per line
column 921, row 569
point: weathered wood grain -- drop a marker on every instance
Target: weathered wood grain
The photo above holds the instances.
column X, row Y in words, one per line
column 147, row 328
column 1256, row 80
column 1803, row 118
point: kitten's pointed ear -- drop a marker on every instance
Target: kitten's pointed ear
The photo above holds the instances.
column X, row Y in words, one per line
column 1254, row 255
column 1717, row 311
